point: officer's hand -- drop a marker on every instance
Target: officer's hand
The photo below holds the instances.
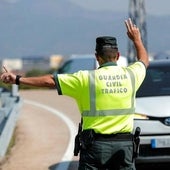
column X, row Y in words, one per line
column 132, row 31
column 8, row 77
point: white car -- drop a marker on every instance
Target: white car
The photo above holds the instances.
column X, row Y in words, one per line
column 153, row 114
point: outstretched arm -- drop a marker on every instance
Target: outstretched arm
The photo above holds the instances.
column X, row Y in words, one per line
column 41, row 81
column 134, row 34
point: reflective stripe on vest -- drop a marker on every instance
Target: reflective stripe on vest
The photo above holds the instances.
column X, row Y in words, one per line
column 93, row 112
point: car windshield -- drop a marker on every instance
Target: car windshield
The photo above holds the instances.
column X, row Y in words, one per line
column 156, row 83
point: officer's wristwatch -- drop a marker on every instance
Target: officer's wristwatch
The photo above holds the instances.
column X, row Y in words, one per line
column 17, row 82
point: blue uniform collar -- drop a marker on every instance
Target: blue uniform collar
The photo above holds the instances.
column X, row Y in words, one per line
column 108, row 64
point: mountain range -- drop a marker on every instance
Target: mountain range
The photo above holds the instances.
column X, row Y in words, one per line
column 40, row 27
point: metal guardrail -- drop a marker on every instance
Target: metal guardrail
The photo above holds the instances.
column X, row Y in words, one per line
column 9, row 110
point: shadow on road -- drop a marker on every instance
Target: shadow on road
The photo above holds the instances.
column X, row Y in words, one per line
column 73, row 165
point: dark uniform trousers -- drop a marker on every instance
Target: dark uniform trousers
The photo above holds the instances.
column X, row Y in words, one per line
column 108, row 152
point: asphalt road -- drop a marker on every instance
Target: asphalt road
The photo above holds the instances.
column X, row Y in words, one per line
column 44, row 133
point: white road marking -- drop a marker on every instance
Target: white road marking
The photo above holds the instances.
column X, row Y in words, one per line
column 68, row 155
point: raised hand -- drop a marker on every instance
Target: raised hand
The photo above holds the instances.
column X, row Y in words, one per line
column 132, row 30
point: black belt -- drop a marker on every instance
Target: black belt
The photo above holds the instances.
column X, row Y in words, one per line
column 113, row 137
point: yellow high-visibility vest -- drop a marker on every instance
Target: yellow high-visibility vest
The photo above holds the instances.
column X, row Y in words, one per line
column 106, row 96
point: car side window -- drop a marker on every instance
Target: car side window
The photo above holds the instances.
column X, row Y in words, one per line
column 156, row 82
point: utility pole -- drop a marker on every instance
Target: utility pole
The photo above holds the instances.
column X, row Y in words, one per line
column 137, row 13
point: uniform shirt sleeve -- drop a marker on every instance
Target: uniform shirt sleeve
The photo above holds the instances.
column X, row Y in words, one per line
column 70, row 84
column 139, row 71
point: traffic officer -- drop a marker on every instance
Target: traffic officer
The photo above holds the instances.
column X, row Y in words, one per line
column 106, row 100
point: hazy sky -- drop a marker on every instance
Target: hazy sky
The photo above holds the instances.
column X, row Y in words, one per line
column 155, row 7
column 28, row 34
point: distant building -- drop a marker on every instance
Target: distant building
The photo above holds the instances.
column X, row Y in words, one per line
column 12, row 64
column 55, row 61
column 35, row 62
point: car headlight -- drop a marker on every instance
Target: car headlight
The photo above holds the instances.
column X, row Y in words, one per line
column 140, row 116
